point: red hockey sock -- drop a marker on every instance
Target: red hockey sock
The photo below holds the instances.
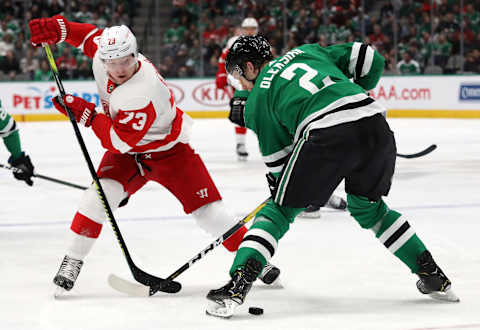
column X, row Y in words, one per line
column 233, row 242
column 240, row 130
column 85, row 226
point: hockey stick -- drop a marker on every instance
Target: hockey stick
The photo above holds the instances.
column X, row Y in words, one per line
column 138, row 274
column 36, row 175
column 139, row 290
column 420, row 153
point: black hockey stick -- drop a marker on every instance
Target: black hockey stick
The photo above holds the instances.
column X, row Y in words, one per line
column 138, row 274
column 134, row 289
column 44, row 177
column 420, row 153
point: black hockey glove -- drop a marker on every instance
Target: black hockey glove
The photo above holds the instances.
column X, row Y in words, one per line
column 23, row 162
column 237, row 109
column 272, row 183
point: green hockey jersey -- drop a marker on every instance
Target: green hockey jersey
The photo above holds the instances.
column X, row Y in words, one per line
column 311, row 87
column 9, row 133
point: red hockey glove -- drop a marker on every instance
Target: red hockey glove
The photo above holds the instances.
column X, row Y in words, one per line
column 51, row 30
column 83, row 111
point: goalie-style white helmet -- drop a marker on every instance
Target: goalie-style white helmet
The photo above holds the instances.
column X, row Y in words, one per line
column 116, row 42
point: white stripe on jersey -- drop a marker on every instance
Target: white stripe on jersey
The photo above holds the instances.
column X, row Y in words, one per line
column 117, row 142
column 85, row 39
column 348, row 116
column 7, row 130
column 338, row 103
column 278, row 155
column 354, row 57
column 367, row 64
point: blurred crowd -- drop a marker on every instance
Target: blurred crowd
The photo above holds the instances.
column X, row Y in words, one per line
column 421, row 47
column 20, row 61
column 428, row 42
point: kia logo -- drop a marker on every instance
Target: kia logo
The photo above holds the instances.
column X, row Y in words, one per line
column 208, row 94
column 177, row 92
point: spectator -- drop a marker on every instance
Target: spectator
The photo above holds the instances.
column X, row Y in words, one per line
column 84, row 71
column 6, row 44
column 43, row 73
column 55, row 7
column 10, row 65
column 83, row 15
column 67, row 64
column 29, row 64
column 442, row 50
column 408, row 65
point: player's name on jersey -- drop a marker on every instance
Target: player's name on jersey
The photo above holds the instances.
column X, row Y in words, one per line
column 276, row 66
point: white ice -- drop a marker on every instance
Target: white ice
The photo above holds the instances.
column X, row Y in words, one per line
column 335, row 274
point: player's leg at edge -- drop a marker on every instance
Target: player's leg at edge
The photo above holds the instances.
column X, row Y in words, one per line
column 395, row 233
column 257, row 248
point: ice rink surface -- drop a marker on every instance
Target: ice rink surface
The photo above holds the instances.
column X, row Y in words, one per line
column 335, row 274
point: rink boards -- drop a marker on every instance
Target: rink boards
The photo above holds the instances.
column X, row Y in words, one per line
column 403, row 96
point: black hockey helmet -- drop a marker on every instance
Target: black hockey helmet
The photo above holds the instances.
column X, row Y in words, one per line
column 255, row 49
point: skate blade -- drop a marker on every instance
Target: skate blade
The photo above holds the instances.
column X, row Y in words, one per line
column 311, row 215
column 59, row 292
column 223, row 310
column 277, row 284
column 447, row 295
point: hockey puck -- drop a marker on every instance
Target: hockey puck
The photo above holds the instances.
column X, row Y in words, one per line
column 255, row 310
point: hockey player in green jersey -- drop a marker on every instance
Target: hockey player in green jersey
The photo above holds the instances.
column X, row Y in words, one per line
column 11, row 138
column 316, row 126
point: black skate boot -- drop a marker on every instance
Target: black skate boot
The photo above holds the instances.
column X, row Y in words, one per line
column 224, row 301
column 67, row 274
column 433, row 280
column 269, row 274
column 242, row 153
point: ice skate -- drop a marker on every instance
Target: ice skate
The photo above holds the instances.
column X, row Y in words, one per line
column 242, row 153
column 67, row 275
column 270, row 274
column 433, row 280
column 337, row 203
column 224, row 301
column 312, row 211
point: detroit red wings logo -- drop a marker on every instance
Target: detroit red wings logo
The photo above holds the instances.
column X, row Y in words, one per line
column 110, row 86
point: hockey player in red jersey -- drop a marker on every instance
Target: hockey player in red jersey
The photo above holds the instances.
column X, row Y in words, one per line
column 145, row 134
column 249, row 27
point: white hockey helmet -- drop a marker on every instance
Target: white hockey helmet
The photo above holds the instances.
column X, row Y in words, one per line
column 249, row 22
column 116, row 42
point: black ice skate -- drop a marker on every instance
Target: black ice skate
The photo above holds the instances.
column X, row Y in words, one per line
column 67, row 274
column 224, row 301
column 433, row 280
column 242, row 153
column 269, row 274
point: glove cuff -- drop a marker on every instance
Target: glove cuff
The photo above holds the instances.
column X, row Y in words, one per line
column 15, row 161
column 63, row 26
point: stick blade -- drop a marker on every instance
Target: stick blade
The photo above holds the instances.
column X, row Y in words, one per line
column 127, row 287
column 419, row 154
column 140, row 290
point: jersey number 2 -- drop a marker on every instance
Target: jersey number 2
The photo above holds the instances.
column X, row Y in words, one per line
column 305, row 80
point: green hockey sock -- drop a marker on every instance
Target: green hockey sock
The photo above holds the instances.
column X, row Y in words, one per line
column 393, row 230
